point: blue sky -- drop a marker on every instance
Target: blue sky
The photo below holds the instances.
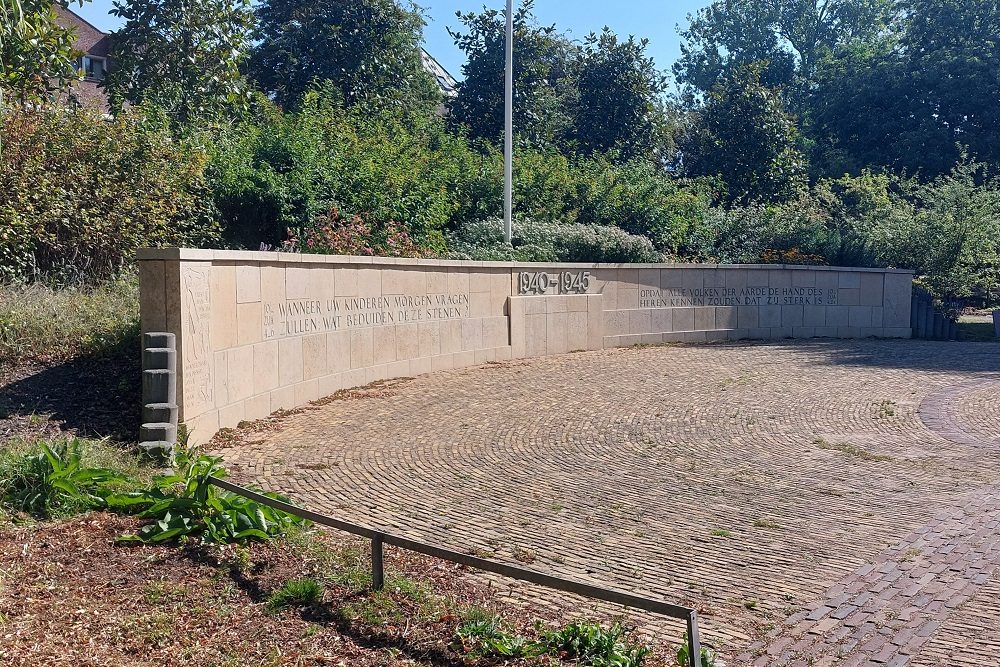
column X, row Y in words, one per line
column 655, row 19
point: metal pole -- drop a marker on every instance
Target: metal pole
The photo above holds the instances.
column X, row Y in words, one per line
column 378, row 572
column 508, row 136
column 694, row 643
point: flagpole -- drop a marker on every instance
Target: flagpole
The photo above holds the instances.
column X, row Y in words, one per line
column 508, row 138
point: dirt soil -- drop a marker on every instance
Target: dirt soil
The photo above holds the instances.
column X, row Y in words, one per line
column 69, row 595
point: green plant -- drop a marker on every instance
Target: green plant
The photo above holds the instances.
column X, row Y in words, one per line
column 185, row 504
column 684, row 655
column 295, row 593
column 592, row 645
column 53, row 480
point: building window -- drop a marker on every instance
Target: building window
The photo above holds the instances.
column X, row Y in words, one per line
column 93, row 68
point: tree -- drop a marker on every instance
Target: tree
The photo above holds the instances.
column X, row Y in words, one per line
column 619, row 105
column 544, row 85
column 36, row 53
column 788, row 37
column 369, row 50
column 743, row 134
column 181, row 55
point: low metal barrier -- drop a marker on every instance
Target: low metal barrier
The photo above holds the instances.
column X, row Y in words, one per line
column 379, row 538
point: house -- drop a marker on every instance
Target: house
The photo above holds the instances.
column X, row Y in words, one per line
column 95, row 47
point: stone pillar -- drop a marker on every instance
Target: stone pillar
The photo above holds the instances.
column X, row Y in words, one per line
column 158, row 433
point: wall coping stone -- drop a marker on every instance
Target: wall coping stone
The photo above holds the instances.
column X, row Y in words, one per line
column 195, row 254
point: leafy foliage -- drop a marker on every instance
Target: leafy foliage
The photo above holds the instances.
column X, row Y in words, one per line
column 334, row 234
column 65, row 220
column 367, row 50
column 706, row 659
column 592, row 645
column 183, row 56
column 53, row 480
column 185, row 505
column 36, row 53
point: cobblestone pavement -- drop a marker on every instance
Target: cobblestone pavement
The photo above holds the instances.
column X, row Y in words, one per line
column 819, row 502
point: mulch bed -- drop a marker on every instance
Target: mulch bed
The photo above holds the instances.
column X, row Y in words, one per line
column 70, row 596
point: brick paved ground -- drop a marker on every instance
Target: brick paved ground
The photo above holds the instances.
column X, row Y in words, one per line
column 819, row 502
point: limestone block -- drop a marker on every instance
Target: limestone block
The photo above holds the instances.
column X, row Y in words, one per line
column 257, row 407
column 898, row 288
column 230, row 416
column 436, row 281
column 616, row 322
column 661, row 319
column 472, row 334
column 827, row 281
column 648, row 278
column 463, row 359
column 757, row 277
column 736, row 279
column 535, row 334
column 779, row 278
column 314, row 357
column 479, row 281
column 628, row 297
column 595, row 322
column 768, row 316
column 778, row 333
column 283, row 398
column 878, row 316
column 556, row 338
column 672, row 278
column 747, row 317
column 871, row 289
column 152, row 296
column 825, row 332
column 683, row 319
column 694, row 337
column 444, row 362
column 555, row 303
column 297, row 282
column 420, row 366
column 759, row 333
column 717, row 336
column 577, row 303
column 398, row 369
column 451, row 336
column 195, row 387
column 803, row 278
column 306, row 392
column 357, row 377
column 223, row 306
column 848, row 332
column 837, row 316
column 714, row 277
column 362, row 348
column 407, row 341
column 203, row 427
column 331, row 384
column 221, row 378
column 859, row 316
column 322, row 283
column 289, row 361
column 814, row 316
column 803, row 332
column 849, row 296
column 738, row 334
column 871, row 332
column 693, row 279
column 384, row 342
column 849, row 280
column 504, row 354
column 241, row 373
column 609, row 293
column 401, row 281
column 639, row 321
column 576, row 331
column 345, row 282
column 338, row 351
column 628, row 278
column 272, row 284
column 265, row 367
column 704, row 318
column 481, row 305
column 535, row 305
column 898, row 332
column 458, row 280
column 429, row 335
column 249, row 323
column 791, row 316
column 499, row 291
column 369, row 281
column 726, row 317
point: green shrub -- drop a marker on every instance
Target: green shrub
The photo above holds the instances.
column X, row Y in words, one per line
column 592, row 645
column 81, row 192
column 534, row 241
column 40, row 323
column 185, row 505
column 46, row 479
column 334, row 234
column 295, row 593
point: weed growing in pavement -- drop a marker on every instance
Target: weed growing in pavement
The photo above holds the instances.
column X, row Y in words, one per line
column 721, row 532
column 850, row 450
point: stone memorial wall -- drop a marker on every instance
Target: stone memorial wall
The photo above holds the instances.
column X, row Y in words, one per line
column 262, row 331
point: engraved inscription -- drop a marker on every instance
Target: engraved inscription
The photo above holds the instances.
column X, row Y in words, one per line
column 566, row 282
column 197, row 336
column 295, row 317
column 672, row 297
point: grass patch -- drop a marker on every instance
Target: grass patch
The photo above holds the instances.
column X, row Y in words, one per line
column 296, row 593
column 41, row 323
column 982, row 332
column 721, row 532
column 766, row 523
column 848, row 449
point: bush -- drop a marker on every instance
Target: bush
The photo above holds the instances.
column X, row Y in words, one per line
column 534, row 241
column 60, row 478
column 82, row 192
column 333, row 234
column 40, row 323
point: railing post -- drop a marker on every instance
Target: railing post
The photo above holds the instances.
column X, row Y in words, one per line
column 378, row 571
column 694, row 644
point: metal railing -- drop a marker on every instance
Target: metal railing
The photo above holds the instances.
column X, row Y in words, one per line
column 379, row 538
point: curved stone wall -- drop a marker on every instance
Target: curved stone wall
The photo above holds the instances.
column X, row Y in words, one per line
column 262, row 331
